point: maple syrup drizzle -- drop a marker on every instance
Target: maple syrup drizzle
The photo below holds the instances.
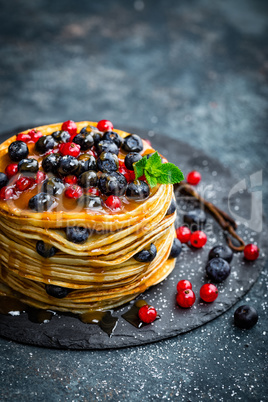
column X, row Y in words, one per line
column 11, row 306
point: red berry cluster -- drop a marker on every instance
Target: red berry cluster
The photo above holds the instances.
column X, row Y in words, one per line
column 186, row 297
column 197, row 239
column 31, row 137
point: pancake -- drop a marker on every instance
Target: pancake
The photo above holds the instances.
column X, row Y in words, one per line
column 125, row 250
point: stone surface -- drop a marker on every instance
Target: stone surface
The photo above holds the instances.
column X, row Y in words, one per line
column 70, row 333
column 193, row 70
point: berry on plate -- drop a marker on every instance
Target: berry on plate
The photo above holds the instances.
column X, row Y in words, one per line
column 183, row 285
column 147, row 314
column 185, row 298
column 251, row 252
column 209, row 292
column 218, row 269
column 220, row 251
column 193, row 177
column 245, row 317
column 105, row 125
column 183, row 234
column 198, row 239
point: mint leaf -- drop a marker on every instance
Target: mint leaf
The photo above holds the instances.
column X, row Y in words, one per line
column 154, row 161
column 157, row 172
column 139, row 167
column 170, row 174
column 152, row 181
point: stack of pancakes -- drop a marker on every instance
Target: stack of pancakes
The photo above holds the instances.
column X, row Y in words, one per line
column 101, row 273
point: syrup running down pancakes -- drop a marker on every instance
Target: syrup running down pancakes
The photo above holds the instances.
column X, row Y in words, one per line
column 78, row 231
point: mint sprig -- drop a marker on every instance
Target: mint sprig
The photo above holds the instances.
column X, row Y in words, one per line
column 157, row 172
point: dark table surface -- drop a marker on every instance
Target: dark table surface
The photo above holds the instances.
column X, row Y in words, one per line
column 193, row 70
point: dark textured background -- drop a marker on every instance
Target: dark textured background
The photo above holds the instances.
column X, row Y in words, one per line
column 194, row 70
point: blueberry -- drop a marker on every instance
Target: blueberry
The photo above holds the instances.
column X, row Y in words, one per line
column 61, row 136
column 137, row 190
column 132, row 143
column 84, row 140
column 53, row 186
column 86, row 162
column 88, row 179
column 175, row 249
column 113, row 137
column 90, row 202
column 17, row 151
column 131, row 158
column 3, row 180
column 218, row 269
column 97, row 137
column 67, row 165
column 44, row 144
column 146, row 255
column 28, row 166
column 112, row 183
column 107, row 146
column 172, row 207
column 41, row 202
column 107, row 162
column 223, row 252
column 245, row 317
column 77, row 234
column 195, row 219
column 57, row 291
column 45, row 249
column 50, row 163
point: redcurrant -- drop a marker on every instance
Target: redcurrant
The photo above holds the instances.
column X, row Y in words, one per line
column 69, row 126
column 93, row 191
column 69, row 148
column 185, row 298
column 198, row 239
column 251, row 252
column 11, row 170
column 147, row 314
column 70, row 179
column 23, row 183
column 113, row 202
column 40, row 177
column 105, row 125
column 209, row 292
column 193, row 177
column 74, row 192
column 35, row 135
column 6, row 193
column 23, row 137
column 183, row 285
column 183, row 234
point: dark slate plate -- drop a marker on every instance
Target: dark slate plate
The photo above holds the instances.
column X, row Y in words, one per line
column 69, row 333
